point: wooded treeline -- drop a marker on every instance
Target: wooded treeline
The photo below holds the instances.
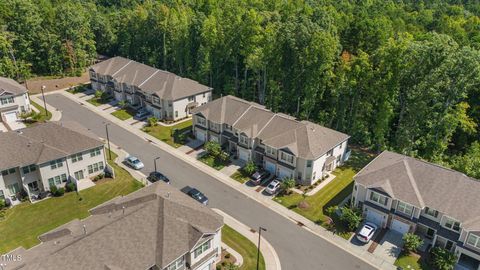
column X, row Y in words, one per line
column 401, row 75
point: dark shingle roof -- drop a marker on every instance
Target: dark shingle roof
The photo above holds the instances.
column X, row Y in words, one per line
column 152, row 226
column 424, row 184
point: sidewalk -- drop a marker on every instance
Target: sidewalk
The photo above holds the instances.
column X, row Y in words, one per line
column 307, row 224
column 56, row 114
column 272, row 262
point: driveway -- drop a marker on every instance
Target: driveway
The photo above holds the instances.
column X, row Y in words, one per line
column 390, row 246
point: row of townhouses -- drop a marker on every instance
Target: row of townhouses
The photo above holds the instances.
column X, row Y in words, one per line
column 405, row 194
column 278, row 142
column 155, row 228
column 13, row 100
column 164, row 94
column 34, row 158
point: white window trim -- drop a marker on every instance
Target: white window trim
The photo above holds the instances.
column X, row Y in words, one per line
column 397, row 209
column 287, row 155
column 444, row 223
column 476, row 240
column 375, row 202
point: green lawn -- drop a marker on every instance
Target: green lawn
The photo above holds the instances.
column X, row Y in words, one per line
column 240, row 176
column 245, row 247
column 42, row 117
column 164, row 133
column 25, row 222
column 123, row 114
column 213, row 162
column 98, row 101
column 78, row 89
column 413, row 262
column 332, row 194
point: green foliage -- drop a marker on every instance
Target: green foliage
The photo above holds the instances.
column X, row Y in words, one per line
column 98, row 94
column 3, row 204
column 26, row 115
column 53, row 189
column 330, row 211
column 250, row 167
column 412, row 242
column 443, row 259
column 122, row 103
column 288, row 183
column 152, row 121
column 469, row 162
column 213, row 148
column 351, row 217
column 69, row 187
column 57, row 192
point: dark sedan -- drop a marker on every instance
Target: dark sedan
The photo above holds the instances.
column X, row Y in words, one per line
column 198, row 196
column 156, row 176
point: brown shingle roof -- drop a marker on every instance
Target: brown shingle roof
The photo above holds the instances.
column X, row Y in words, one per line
column 304, row 139
column 153, row 226
column 42, row 143
column 421, row 184
column 151, row 80
column 11, row 87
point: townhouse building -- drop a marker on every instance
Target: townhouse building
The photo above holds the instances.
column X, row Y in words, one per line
column 162, row 93
column 155, row 228
column 13, row 100
column 405, row 194
column 34, row 158
column 281, row 144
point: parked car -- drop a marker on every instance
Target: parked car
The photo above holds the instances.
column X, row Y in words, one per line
column 366, row 233
column 258, row 176
column 273, row 187
column 142, row 114
column 198, row 196
column 157, row 176
column 134, row 162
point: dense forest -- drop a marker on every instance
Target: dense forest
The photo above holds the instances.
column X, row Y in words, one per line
column 400, row 75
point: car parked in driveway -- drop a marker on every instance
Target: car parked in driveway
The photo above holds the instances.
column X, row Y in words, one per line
column 198, row 196
column 366, row 233
column 157, row 176
column 134, row 162
column 142, row 114
column 273, row 187
column 258, row 176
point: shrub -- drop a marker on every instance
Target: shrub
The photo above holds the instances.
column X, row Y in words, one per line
column 227, row 256
column 3, row 204
column 330, row 211
column 152, row 121
column 122, row 104
column 249, row 168
column 218, row 267
column 98, row 94
column 412, row 242
column 53, row 189
column 443, row 259
column 99, row 177
column 288, row 183
column 59, row 192
column 351, row 217
column 69, row 187
column 214, row 149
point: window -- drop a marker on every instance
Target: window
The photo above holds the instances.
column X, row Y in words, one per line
column 29, row 169
column 7, row 172
column 452, row 224
column 95, row 167
column 6, row 100
column 271, row 151
column 203, row 94
column 286, row 157
column 156, row 100
column 56, row 164
column 2, row 195
column 405, row 208
column 170, row 104
column 4, row 172
column 77, row 157
column 178, row 264
column 329, row 153
column 228, row 127
column 191, row 98
column 12, row 170
column 95, row 152
column 380, row 199
column 309, row 163
column 431, row 212
column 473, row 240
column 57, row 180
column 202, row 248
column 13, row 188
column 243, row 140
column 176, row 113
column 201, row 121
column 314, row 175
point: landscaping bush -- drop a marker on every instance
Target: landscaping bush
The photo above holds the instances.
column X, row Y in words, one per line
column 99, row 177
column 249, row 168
column 152, row 121
column 214, row 149
column 3, row 204
column 330, row 211
column 443, row 259
column 69, row 187
column 412, row 242
column 60, row 192
column 98, row 94
column 351, row 217
column 287, row 184
column 53, row 189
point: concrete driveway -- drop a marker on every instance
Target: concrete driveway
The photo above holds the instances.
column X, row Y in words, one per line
column 390, row 246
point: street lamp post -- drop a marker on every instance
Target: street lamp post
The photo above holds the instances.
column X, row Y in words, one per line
column 108, row 141
column 155, row 163
column 44, row 102
column 260, row 229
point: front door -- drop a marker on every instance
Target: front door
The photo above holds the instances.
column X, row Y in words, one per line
column 430, row 233
column 79, row 175
column 33, row 186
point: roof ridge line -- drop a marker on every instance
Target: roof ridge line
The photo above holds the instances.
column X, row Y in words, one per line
column 268, row 122
column 156, row 71
column 129, row 61
column 413, row 183
column 240, row 117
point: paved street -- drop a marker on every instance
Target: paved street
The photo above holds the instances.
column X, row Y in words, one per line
column 297, row 248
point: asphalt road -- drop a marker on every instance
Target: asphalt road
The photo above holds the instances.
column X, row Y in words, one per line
column 296, row 247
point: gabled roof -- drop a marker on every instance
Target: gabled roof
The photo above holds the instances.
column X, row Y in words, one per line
column 304, row 139
column 11, row 87
column 424, row 184
column 153, row 226
column 151, row 80
column 42, row 143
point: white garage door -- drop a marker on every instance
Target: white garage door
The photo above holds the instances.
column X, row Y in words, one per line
column 243, row 155
column 270, row 166
column 400, row 227
column 200, row 135
column 206, row 267
column 374, row 217
column 283, row 173
column 10, row 116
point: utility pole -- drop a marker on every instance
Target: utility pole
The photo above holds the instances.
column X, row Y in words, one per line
column 260, row 229
column 155, row 163
column 44, row 102
column 108, row 141
column 298, row 107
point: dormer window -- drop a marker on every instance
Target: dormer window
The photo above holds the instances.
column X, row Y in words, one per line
column 404, row 208
column 286, row 157
column 473, row 240
column 431, row 212
column 452, row 224
column 380, row 199
column 243, row 139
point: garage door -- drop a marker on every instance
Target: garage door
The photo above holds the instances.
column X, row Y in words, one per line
column 375, row 217
column 283, row 173
column 10, row 116
column 200, row 135
column 243, row 155
column 270, row 166
column 400, row 227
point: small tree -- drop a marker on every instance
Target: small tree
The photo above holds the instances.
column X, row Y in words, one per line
column 249, row 167
column 412, row 242
column 351, row 216
column 288, row 183
column 330, row 211
column 214, row 149
column 152, row 121
column 122, row 104
column 3, row 204
column 443, row 259
column 98, row 94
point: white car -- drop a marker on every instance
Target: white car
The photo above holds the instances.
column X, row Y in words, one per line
column 366, row 232
column 273, row 187
column 134, row 162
